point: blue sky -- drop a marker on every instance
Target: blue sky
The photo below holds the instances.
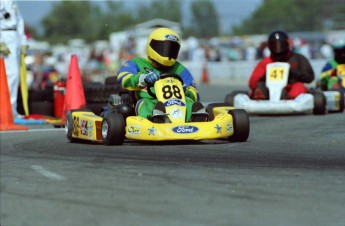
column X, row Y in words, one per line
column 231, row 12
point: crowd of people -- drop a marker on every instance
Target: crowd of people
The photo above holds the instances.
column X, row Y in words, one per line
column 98, row 63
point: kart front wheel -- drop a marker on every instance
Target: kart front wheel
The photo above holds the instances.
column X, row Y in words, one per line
column 341, row 100
column 209, row 109
column 241, row 125
column 113, row 129
column 69, row 127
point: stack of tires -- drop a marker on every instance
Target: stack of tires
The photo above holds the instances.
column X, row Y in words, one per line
column 39, row 102
column 96, row 97
column 97, row 94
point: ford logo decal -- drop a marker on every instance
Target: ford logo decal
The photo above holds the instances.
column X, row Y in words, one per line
column 173, row 102
column 172, row 38
column 185, row 129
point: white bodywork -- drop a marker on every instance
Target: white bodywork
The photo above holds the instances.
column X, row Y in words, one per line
column 276, row 80
column 304, row 103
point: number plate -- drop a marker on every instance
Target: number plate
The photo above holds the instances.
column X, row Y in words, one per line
column 276, row 73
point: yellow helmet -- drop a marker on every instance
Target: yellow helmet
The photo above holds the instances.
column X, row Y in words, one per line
column 163, row 46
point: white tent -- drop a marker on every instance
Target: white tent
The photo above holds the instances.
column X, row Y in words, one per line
column 144, row 29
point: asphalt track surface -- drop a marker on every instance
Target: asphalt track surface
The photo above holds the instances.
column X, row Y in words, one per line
column 291, row 171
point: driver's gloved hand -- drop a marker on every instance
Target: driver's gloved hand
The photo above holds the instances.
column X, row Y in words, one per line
column 4, row 49
column 148, row 79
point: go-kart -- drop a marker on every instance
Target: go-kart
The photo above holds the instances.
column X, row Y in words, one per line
column 276, row 79
column 118, row 120
column 335, row 99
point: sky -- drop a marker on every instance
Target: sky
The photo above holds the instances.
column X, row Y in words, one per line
column 231, row 12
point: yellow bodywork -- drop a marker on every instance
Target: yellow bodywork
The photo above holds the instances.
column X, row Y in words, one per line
column 139, row 128
column 87, row 126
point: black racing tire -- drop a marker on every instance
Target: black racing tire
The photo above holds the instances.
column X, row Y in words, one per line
column 69, row 127
column 42, row 107
column 241, row 125
column 229, row 98
column 341, row 101
column 98, row 93
column 40, row 95
column 209, row 109
column 111, row 80
column 96, row 108
column 319, row 103
column 113, row 129
column 37, row 95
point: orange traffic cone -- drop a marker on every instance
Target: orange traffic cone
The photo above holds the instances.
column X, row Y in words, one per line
column 6, row 114
column 204, row 76
column 75, row 98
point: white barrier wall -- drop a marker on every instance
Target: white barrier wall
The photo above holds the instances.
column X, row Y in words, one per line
column 236, row 72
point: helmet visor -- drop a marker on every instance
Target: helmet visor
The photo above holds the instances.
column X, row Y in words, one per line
column 339, row 55
column 166, row 48
column 278, row 46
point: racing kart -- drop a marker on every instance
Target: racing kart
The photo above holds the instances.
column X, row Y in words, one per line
column 276, row 80
column 118, row 121
column 335, row 99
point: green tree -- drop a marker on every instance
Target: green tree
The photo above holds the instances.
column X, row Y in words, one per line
column 114, row 18
column 288, row 15
column 169, row 10
column 85, row 19
column 338, row 17
column 205, row 19
column 71, row 19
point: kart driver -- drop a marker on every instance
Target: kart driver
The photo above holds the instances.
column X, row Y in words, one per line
column 329, row 79
column 162, row 49
column 280, row 51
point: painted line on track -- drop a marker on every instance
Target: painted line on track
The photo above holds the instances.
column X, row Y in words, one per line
column 51, row 175
column 33, row 130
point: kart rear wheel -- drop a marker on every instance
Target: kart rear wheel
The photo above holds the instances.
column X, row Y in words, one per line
column 319, row 103
column 229, row 98
column 113, row 129
column 241, row 125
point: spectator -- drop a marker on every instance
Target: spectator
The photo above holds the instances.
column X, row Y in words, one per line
column 13, row 43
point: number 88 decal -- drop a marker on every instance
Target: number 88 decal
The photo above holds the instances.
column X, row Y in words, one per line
column 169, row 91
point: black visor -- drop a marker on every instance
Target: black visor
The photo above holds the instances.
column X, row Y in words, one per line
column 339, row 55
column 166, row 48
column 278, row 46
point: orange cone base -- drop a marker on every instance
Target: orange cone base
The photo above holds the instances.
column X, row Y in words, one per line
column 5, row 127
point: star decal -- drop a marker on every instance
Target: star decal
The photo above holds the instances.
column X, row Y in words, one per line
column 218, row 128
column 152, row 130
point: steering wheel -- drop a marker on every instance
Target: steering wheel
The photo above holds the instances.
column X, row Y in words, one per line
column 163, row 75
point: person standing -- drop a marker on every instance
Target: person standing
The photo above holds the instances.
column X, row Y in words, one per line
column 12, row 43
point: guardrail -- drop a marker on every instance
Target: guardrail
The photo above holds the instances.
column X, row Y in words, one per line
column 235, row 72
